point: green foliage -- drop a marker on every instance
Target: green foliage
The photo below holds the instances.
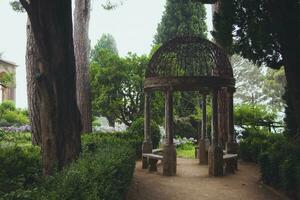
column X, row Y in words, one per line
column 7, row 79
column 181, row 18
column 136, row 130
column 14, row 139
column 107, row 42
column 274, row 87
column 253, row 116
column 186, row 149
column 278, row 158
column 103, row 171
column 184, row 128
column 261, row 29
column 117, row 87
column 10, row 115
column 223, row 21
column 249, row 80
column 252, row 145
column 20, row 168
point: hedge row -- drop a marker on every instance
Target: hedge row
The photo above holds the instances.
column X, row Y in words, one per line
column 104, row 171
column 279, row 160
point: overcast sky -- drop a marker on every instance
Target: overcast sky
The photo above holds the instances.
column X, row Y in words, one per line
column 133, row 25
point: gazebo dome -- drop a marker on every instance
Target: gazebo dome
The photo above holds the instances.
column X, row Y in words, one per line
column 189, row 61
column 189, row 56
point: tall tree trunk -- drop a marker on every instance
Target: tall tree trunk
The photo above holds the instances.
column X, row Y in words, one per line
column 32, row 92
column 292, row 71
column 51, row 22
column 82, row 48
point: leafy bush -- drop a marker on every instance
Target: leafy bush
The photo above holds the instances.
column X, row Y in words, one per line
column 136, row 131
column 279, row 160
column 103, row 171
column 184, row 128
column 253, row 144
column 11, row 116
column 20, row 168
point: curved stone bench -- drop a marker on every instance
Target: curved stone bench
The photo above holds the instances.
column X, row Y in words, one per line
column 152, row 160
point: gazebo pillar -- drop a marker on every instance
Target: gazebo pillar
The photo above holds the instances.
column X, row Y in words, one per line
column 231, row 145
column 215, row 152
column 203, row 154
column 147, row 144
column 169, row 151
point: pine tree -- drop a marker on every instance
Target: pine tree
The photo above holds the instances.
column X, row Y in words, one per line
column 181, row 17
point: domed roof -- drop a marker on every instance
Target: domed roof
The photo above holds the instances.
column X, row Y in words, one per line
column 189, row 56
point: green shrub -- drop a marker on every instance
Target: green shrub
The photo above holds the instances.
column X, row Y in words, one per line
column 103, row 171
column 15, row 139
column 20, row 168
column 252, row 145
column 10, row 116
column 183, row 128
column 279, row 160
column 136, row 131
column 7, row 106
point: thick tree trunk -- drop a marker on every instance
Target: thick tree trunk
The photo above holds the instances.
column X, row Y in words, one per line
column 292, row 71
column 82, row 47
column 32, row 93
column 51, row 22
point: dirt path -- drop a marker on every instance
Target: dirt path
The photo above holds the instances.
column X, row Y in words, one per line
column 192, row 183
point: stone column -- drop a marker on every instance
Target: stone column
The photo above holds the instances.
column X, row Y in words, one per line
column 147, row 144
column 203, row 157
column 215, row 154
column 231, row 145
column 169, row 152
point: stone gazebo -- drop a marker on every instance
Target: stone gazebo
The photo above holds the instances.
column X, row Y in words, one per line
column 191, row 63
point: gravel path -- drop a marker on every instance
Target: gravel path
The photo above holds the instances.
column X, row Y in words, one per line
column 192, row 183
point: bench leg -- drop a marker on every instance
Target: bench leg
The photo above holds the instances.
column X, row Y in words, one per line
column 230, row 166
column 145, row 163
column 153, row 165
column 236, row 164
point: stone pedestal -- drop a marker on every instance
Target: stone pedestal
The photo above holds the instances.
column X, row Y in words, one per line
column 215, row 161
column 202, row 153
column 169, row 160
column 146, row 148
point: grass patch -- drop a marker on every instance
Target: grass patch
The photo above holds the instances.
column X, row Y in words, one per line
column 186, row 150
column 186, row 153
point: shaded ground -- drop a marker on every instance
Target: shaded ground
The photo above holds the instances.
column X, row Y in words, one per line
column 192, row 183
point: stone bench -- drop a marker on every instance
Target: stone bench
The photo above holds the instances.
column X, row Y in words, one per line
column 157, row 151
column 152, row 160
column 230, row 163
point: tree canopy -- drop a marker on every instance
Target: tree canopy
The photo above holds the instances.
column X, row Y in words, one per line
column 117, row 85
column 107, row 41
column 181, row 18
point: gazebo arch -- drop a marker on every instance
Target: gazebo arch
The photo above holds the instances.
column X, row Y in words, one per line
column 190, row 63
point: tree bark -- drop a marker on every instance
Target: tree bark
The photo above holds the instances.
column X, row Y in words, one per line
column 82, row 48
column 32, row 93
column 292, row 71
column 51, row 22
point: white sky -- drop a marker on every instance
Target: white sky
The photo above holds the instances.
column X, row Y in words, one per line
column 133, row 25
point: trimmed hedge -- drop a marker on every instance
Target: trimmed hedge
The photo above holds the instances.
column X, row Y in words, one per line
column 103, row 171
column 279, row 160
